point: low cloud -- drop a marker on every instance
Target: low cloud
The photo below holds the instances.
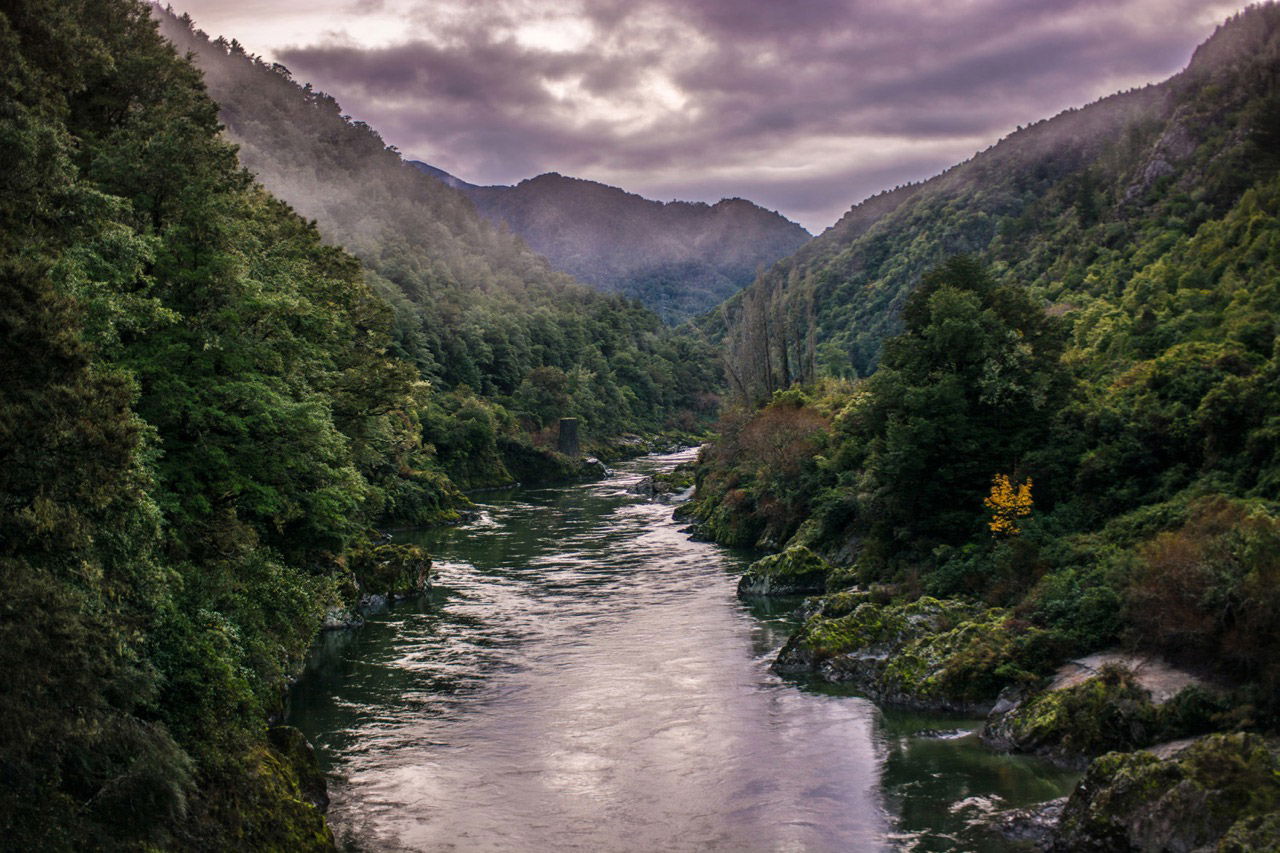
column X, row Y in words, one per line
column 804, row 106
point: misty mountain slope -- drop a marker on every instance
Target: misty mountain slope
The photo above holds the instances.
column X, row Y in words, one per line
column 475, row 308
column 1070, row 206
column 679, row 258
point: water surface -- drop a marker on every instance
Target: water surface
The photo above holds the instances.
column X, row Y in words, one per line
column 583, row 677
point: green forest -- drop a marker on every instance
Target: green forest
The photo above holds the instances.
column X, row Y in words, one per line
column 1022, row 412
column 208, row 411
column 1033, row 402
column 484, row 319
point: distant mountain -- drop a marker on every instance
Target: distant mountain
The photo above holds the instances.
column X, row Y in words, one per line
column 475, row 310
column 442, row 175
column 679, row 258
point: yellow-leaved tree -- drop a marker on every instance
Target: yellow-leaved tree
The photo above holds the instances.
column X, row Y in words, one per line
column 1007, row 503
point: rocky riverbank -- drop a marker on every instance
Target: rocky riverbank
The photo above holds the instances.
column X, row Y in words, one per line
column 1164, row 771
column 928, row 654
column 1220, row 792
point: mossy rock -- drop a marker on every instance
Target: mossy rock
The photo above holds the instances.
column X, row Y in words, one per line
column 927, row 654
column 726, row 523
column 833, row 605
column 292, row 746
column 1109, row 712
column 796, row 571
column 678, row 479
column 1220, row 793
column 842, row 578
column 537, row 466
column 391, row 571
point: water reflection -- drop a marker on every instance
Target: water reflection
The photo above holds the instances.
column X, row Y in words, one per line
column 583, row 678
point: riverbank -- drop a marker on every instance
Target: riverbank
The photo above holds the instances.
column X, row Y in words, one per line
column 1152, row 737
column 582, row 675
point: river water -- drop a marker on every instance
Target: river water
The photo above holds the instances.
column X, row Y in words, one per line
column 583, row 677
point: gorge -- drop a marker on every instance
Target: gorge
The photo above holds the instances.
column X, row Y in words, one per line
column 979, row 549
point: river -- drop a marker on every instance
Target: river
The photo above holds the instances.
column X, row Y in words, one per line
column 584, row 678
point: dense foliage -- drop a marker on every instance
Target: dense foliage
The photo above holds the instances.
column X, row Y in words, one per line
column 1112, row 339
column 679, row 258
column 204, row 409
column 1071, row 207
column 475, row 309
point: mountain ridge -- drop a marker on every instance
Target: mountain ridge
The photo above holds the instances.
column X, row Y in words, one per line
column 680, row 258
column 1113, row 162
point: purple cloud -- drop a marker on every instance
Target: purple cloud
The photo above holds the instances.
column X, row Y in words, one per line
column 805, row 106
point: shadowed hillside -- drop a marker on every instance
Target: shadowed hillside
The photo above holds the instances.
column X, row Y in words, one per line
column 679, row 258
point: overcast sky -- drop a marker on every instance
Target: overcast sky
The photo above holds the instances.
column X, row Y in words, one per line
column 804, row 106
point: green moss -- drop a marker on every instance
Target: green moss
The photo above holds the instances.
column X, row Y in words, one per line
column 292, row 747
column 257, row 806
column 724, row 520
column 839, row 604
column 929, row 652
column 793, row 572
column 534, row 466
column 1109, row 712
column 678, row 479
column 842, row 577
column 1106, row 713
column 391, row 570
column 1222, row 792
column 1253, row 834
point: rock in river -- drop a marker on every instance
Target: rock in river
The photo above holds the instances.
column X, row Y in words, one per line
column 796, row 571
column 1222, row 792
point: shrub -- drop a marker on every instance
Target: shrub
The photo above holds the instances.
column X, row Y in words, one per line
column 1212, row 587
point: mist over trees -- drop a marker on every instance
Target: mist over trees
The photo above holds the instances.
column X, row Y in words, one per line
column 679, row 258
column 474, row 308
column 1091, row 306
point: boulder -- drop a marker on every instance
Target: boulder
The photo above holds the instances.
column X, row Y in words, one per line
column 928, row 654
column 1220, row 792
column 1106, row 702
column 390, row 572
column 1032, row 825
column 796, row 571
column 292, row 746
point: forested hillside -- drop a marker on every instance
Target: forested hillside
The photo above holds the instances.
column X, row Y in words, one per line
column 679, row 258
column 475, row 309
column 206, row 409
column 1070, row 207
column 201, row 418
column 1072, row 408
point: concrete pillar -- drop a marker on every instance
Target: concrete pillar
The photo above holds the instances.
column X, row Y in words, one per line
column 569, row 437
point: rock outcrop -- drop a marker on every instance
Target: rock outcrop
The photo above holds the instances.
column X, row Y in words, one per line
column 1102, row 703
column 928, row 654
column 380, row 575
column 1221, row 792
column 796, row 571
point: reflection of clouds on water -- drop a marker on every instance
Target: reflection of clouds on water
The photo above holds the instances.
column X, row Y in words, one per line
column 583, row 677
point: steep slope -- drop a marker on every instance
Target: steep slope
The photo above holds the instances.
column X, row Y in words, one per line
column 475, row 309
column 679, row 258
column 200, row 419
column 1077, row 423
column 1047, row 206
column 442, row 176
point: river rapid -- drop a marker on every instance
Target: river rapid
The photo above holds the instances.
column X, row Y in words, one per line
column 583, row 677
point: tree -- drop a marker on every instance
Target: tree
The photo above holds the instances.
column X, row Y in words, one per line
column 972, row 384
column 1007, row 503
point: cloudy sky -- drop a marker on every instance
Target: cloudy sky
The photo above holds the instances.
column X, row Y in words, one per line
column 804, row 106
